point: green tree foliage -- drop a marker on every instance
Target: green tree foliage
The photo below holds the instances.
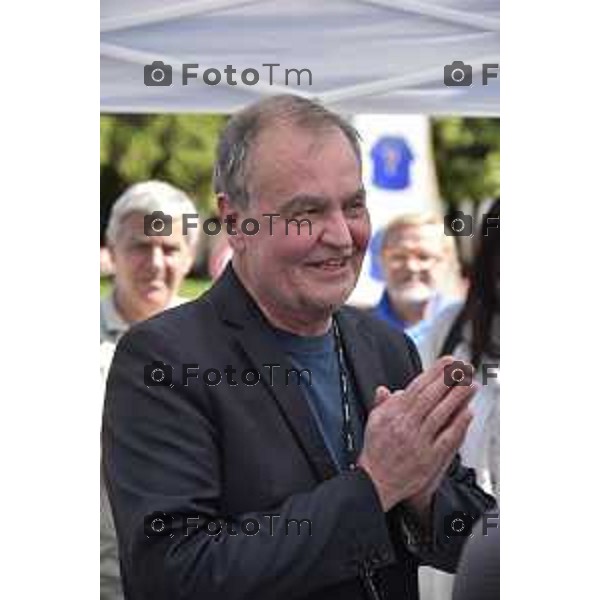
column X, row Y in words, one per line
column 467, row 157
column 179, row 149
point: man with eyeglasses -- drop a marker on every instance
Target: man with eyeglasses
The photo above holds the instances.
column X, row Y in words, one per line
column 414, row 259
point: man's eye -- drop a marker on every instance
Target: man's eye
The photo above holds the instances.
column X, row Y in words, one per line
column 356, row 207
column 306, row 212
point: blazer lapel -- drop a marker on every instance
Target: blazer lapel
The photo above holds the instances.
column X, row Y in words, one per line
column 260, row 351
column 251, row 336
column 360, row 351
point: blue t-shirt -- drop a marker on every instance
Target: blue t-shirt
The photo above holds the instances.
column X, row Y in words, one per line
column 322, row 390
column 392, row 158
column 385, row 311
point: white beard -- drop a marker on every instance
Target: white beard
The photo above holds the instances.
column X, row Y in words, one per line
column 412, row 295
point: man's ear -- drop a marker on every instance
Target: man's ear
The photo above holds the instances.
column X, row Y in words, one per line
column 112, row 252
column 231, row 219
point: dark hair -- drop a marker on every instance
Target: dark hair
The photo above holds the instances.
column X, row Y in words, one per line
column 483, row 298
column 235, row 142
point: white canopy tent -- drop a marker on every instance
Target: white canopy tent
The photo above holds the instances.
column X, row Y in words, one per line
column 377, row 56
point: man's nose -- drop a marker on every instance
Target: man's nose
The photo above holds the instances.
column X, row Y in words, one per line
column 337, row 232
column 157, row 258
column 414, row 264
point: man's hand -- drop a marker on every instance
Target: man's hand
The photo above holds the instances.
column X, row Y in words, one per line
column 412, row 435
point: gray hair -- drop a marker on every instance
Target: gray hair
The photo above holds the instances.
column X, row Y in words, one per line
column 147, row 197
column 230, row 174
column 405, row 221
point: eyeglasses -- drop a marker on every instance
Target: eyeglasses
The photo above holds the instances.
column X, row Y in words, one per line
column 399, row 259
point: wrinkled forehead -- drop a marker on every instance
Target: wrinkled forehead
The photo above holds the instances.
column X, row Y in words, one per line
column 288, row 156
column 430, row 237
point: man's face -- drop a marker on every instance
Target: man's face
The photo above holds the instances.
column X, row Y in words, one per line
column 412, row 262
column 303, row 175
column 149, row 269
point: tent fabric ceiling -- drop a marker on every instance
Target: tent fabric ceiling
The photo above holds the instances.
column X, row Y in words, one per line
column 364, row 56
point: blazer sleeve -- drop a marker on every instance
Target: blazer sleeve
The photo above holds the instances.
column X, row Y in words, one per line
column 161, row 459
column 458, row 496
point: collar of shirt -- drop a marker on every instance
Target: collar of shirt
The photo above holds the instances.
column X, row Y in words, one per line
column 385, row 311
column 112, row 324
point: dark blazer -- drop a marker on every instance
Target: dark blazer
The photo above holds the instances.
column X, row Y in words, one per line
column 242, row 453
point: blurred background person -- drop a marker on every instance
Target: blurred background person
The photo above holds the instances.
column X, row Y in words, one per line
column 470, row 331
column 415, row 258
column 148, row 272
column 148, row 269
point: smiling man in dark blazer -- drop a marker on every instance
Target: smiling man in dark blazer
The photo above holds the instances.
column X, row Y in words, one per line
column 265, row 442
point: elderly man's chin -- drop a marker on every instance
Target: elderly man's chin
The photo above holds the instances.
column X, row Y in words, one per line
column 155, row 296
column 416, row 294
column 331, row 295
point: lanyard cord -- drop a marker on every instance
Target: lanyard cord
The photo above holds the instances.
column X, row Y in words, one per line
column 348, row 438
column 350, row 448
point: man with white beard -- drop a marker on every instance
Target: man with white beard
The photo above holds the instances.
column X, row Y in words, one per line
column 414, row 259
